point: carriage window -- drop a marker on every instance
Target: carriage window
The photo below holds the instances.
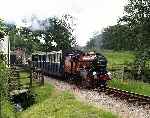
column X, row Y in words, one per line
column 44, row 57
column 35, row 57
column 49, row 56
column 52, row 58
column 40, row 57
column 55, row 57
column 58, row 57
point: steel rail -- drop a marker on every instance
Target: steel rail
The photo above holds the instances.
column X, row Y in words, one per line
column 129, row 96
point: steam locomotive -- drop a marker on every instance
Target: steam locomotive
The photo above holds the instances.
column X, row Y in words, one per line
column 87, row 69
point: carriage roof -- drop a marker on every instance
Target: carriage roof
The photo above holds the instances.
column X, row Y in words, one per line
column 46, row 53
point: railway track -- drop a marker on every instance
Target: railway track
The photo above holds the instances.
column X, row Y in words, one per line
column 131, row 97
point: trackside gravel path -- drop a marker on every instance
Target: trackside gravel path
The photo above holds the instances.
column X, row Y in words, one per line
column 103, row 101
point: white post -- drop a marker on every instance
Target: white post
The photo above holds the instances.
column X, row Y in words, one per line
column 8, row 51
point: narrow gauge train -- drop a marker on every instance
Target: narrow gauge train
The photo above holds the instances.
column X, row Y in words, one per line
column 88, row 69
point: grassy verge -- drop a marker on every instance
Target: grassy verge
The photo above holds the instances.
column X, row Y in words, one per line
column 24, row 80
column 125, row 57
column 117, row 58
column 131, row 85
column 55, row 104
column 7, row 110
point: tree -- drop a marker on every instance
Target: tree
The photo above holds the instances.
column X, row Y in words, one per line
column 138, row 18
column 118, row 37
column 23, row 37
column 95, row 41
column 50, row 30
column 2, row 29
column 61, row 32
column 3, row 71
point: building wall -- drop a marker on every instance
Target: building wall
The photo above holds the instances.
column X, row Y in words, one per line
column 5, row 48
column 4, row 45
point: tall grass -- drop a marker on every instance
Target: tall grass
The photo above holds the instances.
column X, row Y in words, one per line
column 119, row 58
column 116, row 57
column 55, row 104
column 131, row 85
column 7, row 110
column 124, row 58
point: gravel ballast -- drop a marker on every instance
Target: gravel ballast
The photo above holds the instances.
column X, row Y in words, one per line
column 103, row 101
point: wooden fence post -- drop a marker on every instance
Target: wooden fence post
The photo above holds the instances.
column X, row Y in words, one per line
column 42, row 79
column 31, row 76
column 123, row 73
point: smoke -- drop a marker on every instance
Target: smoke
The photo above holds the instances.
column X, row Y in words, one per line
column 35, row 23
column 98, row 41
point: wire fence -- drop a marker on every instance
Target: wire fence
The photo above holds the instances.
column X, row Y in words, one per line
column 134, row 72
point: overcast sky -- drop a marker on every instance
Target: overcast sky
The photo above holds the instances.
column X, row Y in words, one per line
column 90, row 15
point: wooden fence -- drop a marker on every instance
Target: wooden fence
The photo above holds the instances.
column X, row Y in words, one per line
column 130, row 72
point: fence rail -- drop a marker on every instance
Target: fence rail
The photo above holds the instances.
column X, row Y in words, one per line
column 130, row 72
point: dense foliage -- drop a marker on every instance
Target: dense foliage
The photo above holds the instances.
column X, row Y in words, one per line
column 132, row 30
column 95, row 41
column 39, row 36
column 6, row 109
column 59, row 32
column 132, row 33
column 118, row 37
column 53, row 103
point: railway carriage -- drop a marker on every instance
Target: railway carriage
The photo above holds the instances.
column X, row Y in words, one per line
column 50, row 62
column 89, row 69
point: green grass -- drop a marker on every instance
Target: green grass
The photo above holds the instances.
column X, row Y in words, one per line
column 131, row 85
column 24, row 80
column 43, row 92
column 117, row 58
column 124, row 57
column 55, row 104
column 7, row 110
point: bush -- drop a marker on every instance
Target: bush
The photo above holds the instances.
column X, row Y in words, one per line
column 6, row 108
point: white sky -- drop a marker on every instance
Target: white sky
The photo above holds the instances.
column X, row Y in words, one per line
column 91, row 15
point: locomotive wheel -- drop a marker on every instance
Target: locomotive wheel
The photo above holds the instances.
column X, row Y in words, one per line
column 83, row 83
column 86, row 84
column 102, row 85
column 78, row 81
column 71, row 79
column 65, row 77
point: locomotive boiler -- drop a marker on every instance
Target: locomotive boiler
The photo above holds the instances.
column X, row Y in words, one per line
column 87, row 69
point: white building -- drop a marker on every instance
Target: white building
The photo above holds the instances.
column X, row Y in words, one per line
column 5, row 47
